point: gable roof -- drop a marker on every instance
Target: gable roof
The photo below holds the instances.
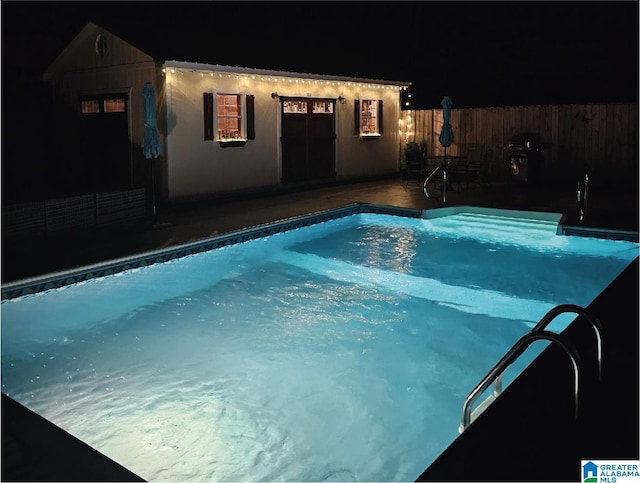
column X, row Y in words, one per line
column 193, row 52
column 89, row 31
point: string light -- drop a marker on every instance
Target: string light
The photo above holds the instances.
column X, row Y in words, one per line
column 291, row 80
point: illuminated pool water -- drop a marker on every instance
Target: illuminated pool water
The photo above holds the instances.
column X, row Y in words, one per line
column 338, row 351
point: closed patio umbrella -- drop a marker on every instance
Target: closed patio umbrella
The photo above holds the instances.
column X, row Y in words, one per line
column 446, row 138
column 151, row 146
column 151, row 143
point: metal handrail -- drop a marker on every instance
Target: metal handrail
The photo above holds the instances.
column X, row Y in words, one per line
column 426, row 182
column 516, row 351
column 582, row 196
column 548, row 318
column 595, row 323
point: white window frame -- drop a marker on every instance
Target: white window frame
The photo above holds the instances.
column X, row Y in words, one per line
column 373, row 104
column 242, row 116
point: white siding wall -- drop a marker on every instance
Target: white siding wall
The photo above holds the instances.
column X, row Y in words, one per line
column 197, row 167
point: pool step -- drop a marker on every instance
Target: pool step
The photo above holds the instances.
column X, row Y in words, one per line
column 465, row 299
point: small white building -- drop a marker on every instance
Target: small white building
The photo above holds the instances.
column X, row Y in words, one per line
column 223, row 129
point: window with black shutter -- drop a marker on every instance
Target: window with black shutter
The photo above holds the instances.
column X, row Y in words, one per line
column 223, row 118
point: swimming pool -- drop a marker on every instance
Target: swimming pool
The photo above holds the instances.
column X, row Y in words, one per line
column 341, row 350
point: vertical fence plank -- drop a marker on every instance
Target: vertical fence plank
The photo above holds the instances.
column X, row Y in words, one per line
column 617, row 135
column 591, row 125
column 497, row 144
column 435, row 131
column 432, row 144
column 568, row 151
column 554, row 135
column 633, row 135
column 625, row 144
column 600, row 134
column 531, row 118
column 609, row 140
column 503, row 166
column 594, row 136
column 420, row 126
column 577, row 135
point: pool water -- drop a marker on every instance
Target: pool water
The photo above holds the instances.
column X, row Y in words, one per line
column 341, row 351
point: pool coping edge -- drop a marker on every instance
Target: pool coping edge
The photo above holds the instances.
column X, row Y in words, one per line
column 83, row 273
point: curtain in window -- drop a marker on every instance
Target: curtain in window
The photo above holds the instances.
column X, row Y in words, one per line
column 380, row 124
column 208, row 116
column 356, row 117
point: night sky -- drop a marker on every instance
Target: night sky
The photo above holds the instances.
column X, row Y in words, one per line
column 481, row 54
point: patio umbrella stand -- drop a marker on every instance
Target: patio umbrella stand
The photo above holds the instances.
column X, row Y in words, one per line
column 151, row 146
column 446, row 139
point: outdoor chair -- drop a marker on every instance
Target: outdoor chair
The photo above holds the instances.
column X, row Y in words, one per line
column 470, row 170
column 415, row 165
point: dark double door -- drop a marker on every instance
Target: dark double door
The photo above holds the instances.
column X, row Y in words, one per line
column 105, row 147
column 307, row 139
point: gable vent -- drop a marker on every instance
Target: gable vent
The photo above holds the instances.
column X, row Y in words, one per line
column 101, row 45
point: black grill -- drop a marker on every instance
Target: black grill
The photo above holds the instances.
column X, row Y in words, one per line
column 524, row 156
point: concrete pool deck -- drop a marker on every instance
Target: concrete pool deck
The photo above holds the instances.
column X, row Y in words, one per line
column 188, row 222
column 527, row 435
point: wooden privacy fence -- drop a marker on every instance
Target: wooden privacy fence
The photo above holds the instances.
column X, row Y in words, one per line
column 600, row 138
column 109, row 210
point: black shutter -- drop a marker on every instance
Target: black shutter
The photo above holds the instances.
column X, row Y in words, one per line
column 380, row 122
column 207, row 99
column 356, row 117
column 251, row 118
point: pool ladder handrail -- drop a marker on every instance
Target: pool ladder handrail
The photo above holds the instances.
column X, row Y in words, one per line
column 426, row 182
column 548, row 318
column 595, row 324
column 516, row 351
column 495, row 375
